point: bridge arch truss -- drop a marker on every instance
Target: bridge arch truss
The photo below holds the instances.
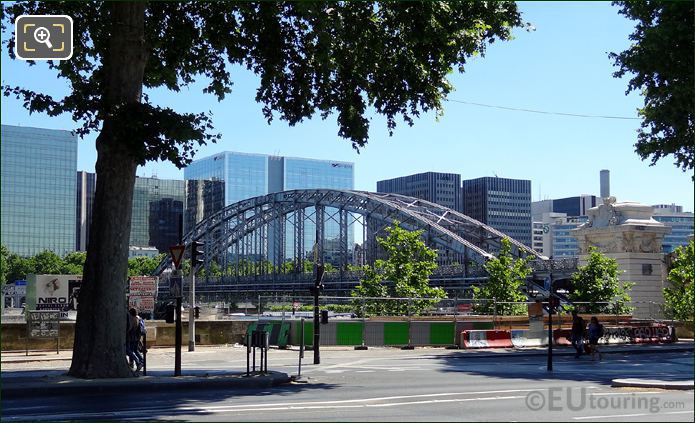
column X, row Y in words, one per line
column 275, row 234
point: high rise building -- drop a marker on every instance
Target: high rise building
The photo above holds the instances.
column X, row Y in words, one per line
column 247, row 175
column 157, row 208
column 574, row 206
column 537, row 237
column 556, row 236
column 571, row 206
column 86, row 184
column 504, row 204
column 440, row 188
column 203, row 199
column 38, row 190
column 681, row 224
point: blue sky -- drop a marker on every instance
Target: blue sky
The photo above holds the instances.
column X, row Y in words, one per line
column 562, row 66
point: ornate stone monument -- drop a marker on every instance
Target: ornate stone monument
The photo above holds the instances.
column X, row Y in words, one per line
column 627, row 233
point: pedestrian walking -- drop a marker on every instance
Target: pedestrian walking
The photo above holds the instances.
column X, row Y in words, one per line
column 578, row 328
column 595, row 333
column 133, row 334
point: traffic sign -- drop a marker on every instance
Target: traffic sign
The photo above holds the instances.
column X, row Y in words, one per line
column 177, row 254
column 175, row 286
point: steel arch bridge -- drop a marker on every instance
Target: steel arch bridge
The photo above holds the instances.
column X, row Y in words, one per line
column 264, row 242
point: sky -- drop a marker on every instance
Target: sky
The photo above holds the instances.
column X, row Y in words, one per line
column 562, row 66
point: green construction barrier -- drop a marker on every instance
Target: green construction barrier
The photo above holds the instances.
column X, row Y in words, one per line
column 442, row 333
column 349, row 333
column 396, row 333
column 309, row 333
column 279, row 331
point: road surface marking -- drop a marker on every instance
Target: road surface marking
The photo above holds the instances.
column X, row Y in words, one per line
column 631, row 415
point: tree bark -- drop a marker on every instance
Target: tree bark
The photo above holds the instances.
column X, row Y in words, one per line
column 99, row 347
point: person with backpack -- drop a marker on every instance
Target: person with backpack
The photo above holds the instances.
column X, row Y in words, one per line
column 595, row 333
column 578, row 328
column 134, row 331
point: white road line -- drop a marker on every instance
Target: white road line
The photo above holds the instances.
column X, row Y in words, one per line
column 631, row 415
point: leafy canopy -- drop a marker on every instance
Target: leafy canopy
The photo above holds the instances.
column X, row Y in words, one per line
column 598, row 283
column 325, row 57
column 404, row 274
column 679, row 295
column 660, row 63
column 506, row 279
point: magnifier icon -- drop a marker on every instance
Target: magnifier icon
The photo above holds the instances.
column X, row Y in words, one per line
column 43, row 36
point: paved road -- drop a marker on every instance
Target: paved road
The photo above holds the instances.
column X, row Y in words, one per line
column 390, row 384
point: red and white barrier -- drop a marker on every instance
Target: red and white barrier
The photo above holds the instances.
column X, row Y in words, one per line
column 522, row 338
column 487, row 339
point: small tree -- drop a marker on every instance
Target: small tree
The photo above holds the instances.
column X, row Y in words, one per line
column 73, row 263
column 506, row 278
column 47, row 263
column 597, row 283
column 408, row 268
column 4, row 256
column 143, row 266
column 679, row 296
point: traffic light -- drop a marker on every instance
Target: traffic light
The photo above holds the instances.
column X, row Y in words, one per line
column 197, row 253
column 169, row 313
column 324, row 317
column 196, row 312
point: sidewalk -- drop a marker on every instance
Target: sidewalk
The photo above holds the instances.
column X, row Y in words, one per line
column 224, row 367
column 45, row 373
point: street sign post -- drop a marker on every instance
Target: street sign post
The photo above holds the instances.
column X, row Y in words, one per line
column 175, row 283
column 177, row 254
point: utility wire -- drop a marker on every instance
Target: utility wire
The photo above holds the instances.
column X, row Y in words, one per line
column 542, row 111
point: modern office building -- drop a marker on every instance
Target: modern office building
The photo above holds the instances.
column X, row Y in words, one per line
column 537, row 237
column 247, row 175
column 440, row 188
column 86, row 184
column 571, row 206
column 157, row 208
column 574, row 206
column 681, row 223
column 38, row 190
column 203, row 199
column 504, row 204
column 556, row 238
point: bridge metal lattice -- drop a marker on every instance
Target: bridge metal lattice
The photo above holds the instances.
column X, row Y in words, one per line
column 270, row 238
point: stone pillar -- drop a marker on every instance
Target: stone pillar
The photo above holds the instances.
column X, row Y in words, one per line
column 627, row 233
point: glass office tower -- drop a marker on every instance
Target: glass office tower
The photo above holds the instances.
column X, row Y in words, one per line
column 38, row 190
column 157, row 208
column 504, row 204
column 250, row 175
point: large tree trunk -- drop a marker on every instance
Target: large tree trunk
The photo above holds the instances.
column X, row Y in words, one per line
column 99, row 348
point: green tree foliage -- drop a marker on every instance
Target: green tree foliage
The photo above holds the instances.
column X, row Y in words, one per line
column 660, row 64
column 73, row 263
column 143, row 266
column 47, row 263
column 4, row 270
column 679, row 296
column 506, row 278
column 597, row 282
column 342, row 58
column 404, row 274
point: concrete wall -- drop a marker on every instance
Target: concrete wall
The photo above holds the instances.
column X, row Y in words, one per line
column 159, row 333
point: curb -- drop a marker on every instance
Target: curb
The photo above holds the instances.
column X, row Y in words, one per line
column 68, row 386
column 681, row 385
column 556, row 352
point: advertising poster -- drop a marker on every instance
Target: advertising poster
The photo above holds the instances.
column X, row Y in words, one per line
column 54, row 293
column 142, row 291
